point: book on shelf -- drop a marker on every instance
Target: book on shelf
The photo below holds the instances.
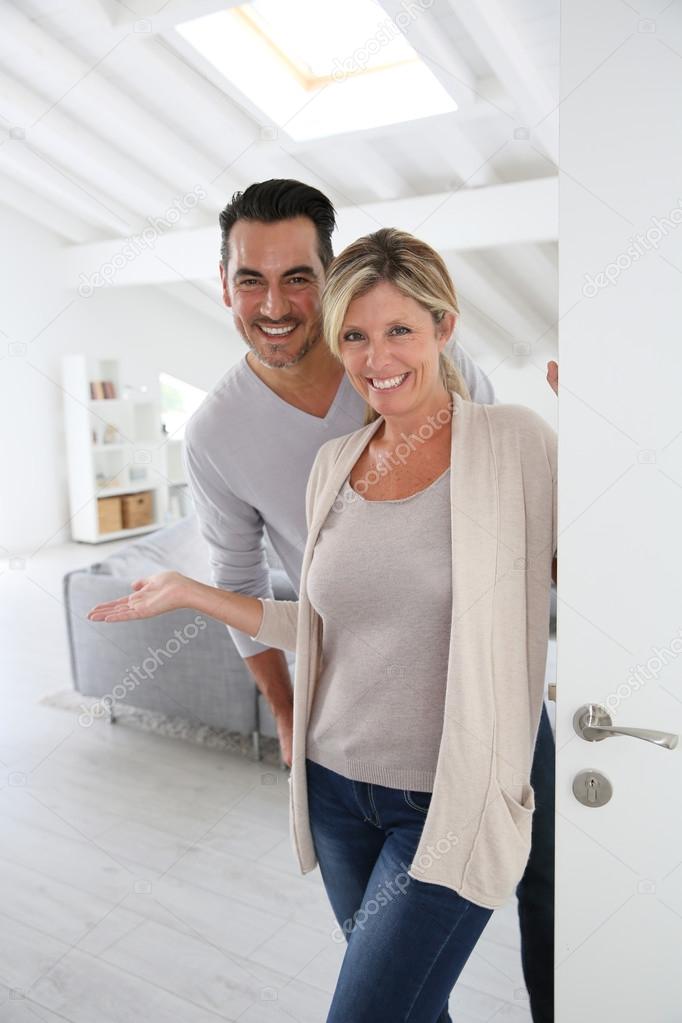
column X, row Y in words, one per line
column 102, row 389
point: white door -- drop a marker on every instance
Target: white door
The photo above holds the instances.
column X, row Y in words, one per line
column 619, row 865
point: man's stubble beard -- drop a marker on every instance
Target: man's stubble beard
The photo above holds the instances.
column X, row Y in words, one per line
column 279, row 360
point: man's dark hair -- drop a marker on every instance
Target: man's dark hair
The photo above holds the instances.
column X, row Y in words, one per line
column 281, row 199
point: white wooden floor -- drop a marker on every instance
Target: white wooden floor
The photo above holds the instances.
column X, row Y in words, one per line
column 144, row 877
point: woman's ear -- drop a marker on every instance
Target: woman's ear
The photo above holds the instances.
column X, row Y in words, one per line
column 444, row 329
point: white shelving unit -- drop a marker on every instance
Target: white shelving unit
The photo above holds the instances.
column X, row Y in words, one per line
column 137, row 458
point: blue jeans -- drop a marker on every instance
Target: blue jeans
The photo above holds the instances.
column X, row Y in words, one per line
column 408, row 940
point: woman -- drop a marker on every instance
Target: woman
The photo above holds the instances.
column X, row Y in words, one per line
column 420, row 636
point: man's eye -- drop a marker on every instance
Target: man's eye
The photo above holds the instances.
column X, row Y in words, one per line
column 298, row 280
column 250, row 280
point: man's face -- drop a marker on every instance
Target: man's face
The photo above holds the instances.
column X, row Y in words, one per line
column 272, row 284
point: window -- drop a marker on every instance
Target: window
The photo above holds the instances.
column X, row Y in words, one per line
column 178, row 401
column 320, row 67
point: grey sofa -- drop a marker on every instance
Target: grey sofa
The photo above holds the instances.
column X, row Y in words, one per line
column 174, row 664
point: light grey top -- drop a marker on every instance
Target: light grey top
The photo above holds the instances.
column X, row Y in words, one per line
column 381, row 581
column 248, row 454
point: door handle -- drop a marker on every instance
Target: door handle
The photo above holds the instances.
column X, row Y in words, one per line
column 593, row 723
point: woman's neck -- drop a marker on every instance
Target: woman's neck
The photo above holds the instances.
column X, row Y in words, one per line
column 431, row 416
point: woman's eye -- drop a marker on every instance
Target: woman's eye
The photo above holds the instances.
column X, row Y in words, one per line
column 352, row 335
column 403, row 330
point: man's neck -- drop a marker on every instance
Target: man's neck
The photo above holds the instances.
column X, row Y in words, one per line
column 310, row 385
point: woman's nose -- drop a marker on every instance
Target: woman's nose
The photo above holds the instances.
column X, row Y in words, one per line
column 377, row 355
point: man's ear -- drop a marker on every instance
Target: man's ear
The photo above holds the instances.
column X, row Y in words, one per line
column 444, row 329
column 223, row 280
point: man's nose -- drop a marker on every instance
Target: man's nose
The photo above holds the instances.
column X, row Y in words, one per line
column 274, row 304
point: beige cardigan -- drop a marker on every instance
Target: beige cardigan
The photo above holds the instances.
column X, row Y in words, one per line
column 476, row 836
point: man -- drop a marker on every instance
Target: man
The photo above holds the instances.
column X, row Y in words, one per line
column 250, row 446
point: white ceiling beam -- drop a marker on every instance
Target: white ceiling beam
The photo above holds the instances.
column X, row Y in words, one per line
column 210, row 120
column 511, row 312
column 15, row 195
column 458, row 80
column 334, row 165
column 383, row 179
column 495, row 36
column 195, row 295
column 65, row 191
column 478, row 334
column 534, row 270
column 476, row 218
column 76, row 86
column 153, row 16
column 426, row 38
column 468, row 218
column 105, row 169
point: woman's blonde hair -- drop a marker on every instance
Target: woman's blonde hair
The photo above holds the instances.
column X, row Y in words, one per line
column 410, row 265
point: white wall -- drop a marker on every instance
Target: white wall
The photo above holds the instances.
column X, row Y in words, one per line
column 40, row 322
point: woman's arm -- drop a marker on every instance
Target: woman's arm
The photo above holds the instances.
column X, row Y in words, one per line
column 273, row 622
column 171, row 591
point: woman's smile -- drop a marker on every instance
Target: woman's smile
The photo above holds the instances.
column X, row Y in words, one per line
column 387, row 383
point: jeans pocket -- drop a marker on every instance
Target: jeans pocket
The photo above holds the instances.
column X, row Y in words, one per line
column 417, row 800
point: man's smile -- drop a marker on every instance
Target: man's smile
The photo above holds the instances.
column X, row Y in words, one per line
column 277, row 332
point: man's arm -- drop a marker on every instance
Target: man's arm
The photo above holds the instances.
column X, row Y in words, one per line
column 270, row 672
column 233, row 530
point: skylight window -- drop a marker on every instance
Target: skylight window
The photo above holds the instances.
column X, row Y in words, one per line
column 320, row 67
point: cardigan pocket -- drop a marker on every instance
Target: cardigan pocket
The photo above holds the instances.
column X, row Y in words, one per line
column 502, row 848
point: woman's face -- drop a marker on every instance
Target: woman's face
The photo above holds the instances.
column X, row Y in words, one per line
column 390, row 346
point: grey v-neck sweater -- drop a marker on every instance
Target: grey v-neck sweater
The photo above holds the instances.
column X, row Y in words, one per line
column 477, row 833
